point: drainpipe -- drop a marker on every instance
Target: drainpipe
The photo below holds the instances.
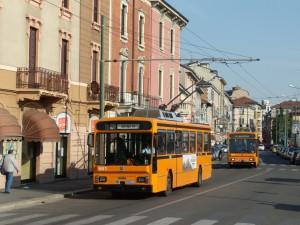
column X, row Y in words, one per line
column 133, row 49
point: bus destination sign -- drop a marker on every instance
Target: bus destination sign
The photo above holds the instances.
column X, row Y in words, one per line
column 242, row 136
column 123, row 125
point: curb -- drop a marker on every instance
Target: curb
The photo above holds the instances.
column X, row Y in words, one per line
column 40, row 200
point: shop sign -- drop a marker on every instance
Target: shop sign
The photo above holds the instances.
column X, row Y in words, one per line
column 63, row 121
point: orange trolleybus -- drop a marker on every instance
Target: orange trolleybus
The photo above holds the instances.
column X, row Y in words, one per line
column 243, row 148
column 149, row 155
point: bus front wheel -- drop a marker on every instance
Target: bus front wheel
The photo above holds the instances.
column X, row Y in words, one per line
column 169, row 185
column 199, row 180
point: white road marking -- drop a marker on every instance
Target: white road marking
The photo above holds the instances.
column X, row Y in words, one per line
column 165, row 221
column 127, row 220
column 21, row 219
column 203, row 192
column 52, row 220
column 295, row 170
column 205, row 222
column 282, row 169
column 89, row 220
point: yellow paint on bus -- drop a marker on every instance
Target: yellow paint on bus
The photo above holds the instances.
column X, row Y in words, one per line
column 243, row 148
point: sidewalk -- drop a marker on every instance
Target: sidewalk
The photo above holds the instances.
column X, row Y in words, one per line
column 31, row 194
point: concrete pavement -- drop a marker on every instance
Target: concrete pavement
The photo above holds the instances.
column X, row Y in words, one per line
column 34, row 194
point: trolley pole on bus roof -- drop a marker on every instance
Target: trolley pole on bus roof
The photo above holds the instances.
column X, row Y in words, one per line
column 101, row 91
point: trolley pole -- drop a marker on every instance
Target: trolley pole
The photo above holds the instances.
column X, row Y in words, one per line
column 101, row 95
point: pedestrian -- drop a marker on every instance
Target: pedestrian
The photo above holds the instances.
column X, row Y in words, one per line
column 8, row 166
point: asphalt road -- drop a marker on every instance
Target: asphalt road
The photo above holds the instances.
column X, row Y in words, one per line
column 267, row 195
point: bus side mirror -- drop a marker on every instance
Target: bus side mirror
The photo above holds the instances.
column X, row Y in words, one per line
column 90, row 140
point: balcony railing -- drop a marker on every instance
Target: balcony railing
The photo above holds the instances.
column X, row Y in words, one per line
column 40, row 78
column 139, row 100
column 111, row 93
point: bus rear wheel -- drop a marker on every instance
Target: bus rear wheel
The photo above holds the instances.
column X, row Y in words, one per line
column 169, row 186
column 199, row 180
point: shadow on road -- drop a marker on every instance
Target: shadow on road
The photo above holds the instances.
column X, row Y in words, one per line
column 275, row 179
column 96, row 195
column 287, row 207
column 272, row 158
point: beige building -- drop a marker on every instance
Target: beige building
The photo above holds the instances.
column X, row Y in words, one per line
column 41, row 88
column 247, row 113
column 219, row 107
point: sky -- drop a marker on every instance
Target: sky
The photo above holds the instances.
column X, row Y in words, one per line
column 264, row 29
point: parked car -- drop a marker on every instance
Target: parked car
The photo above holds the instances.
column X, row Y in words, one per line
column 292, row 153
column 297, row 158
column 261, row 147
column 217, row 153
column 275, row 148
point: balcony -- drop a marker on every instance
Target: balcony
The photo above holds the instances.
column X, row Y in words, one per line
column 111, row 93
column 139, row 100
column 42, row 79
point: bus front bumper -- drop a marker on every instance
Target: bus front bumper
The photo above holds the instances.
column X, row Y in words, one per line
column 123, row 188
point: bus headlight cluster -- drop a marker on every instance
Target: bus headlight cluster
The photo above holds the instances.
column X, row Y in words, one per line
column 142, row 180
column 251, row 159
column 100, row 179
column 232, row 159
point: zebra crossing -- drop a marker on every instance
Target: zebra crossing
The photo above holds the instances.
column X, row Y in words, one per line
column 74, row 219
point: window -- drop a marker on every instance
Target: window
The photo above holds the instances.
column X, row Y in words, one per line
column 199, row 141
column 192, row 142
column 141, row 30
column 32, row 48
column 161, row 35
column 185, row 142
column 170, row 142
column 161, row 143
column 172, row 42
column 178, row 142
column 124, row 11
column 206, row 142
column 94, row 65
column 65, row 3
column 64, row 58
column 171, row 86
column 160, row 83
column 96, row 11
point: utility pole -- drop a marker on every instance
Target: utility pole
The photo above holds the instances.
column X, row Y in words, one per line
column 102, row 94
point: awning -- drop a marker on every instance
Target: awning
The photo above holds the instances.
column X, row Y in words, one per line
column 9, row 127
column 39, row 127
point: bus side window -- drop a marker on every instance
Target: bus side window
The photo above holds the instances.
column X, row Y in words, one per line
column 170, row 142
column 192, row 142
column 199, row 141
column 206, row 142
column 185, row 141
column 178, row 142
column 161, row 143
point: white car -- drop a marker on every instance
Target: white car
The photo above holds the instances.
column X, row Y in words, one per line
column 261, row 147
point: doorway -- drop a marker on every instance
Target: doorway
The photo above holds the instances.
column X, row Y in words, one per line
column 61, row 157
column 29, row 153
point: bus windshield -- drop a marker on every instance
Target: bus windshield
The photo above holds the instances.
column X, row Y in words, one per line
column 123, row 148
column 242, row 145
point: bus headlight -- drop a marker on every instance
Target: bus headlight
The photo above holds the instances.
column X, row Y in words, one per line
column 142, row 180
column 251, row 159
column 100, row 179
column 232, row 159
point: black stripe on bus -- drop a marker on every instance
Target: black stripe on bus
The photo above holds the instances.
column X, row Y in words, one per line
column 169, row 156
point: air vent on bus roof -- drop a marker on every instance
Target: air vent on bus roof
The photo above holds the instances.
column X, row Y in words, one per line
column 158, row 114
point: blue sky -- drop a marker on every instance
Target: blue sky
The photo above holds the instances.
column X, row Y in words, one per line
column 265, row 29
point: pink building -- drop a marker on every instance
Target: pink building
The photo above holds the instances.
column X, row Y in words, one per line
column 167, row 24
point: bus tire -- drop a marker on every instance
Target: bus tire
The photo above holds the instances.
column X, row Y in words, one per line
column 169, row 186
column 199, row 179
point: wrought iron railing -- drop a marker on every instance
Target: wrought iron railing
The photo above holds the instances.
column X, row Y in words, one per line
column 140, row 100
column 40, row 78
column 111, row 93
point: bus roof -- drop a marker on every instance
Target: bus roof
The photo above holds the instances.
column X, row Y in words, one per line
column 158, row 122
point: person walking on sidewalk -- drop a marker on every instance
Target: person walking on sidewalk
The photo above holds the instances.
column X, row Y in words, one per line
column 9, row 165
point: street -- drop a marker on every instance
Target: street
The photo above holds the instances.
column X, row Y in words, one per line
column 267, row 195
